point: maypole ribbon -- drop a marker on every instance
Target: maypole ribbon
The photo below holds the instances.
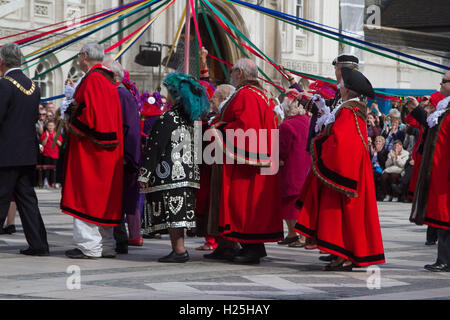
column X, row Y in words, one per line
column 233, row 38
column 100, row 42
column 287, row 17
column 91, row 32
column 51, row 25
column 214, row 42
column 226, row 24
column 77, row 24
column 72, row 58
column 175, row 40
column 141, row 32
column 194, row 16
column 89, row 28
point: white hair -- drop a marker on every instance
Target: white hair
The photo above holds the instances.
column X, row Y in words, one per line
column 248, row 68
column 95, row 52
column 117, row 68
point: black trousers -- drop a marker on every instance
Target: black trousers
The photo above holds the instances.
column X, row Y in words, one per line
column 120, row 233
column 432, row 234
column 443, row 246
column 18, row 181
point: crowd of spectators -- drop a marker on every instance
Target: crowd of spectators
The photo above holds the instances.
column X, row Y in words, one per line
column 392, row 140
column 49, row 167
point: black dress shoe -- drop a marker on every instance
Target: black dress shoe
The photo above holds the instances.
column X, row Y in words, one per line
column 288, row 240
column 221, row 254
column 328, row 258
column 35, row 252
column 430, row 243
column 8, row 230
column 339, row 267
column 77, row 254
column 122, row 248
column 246, row 257
column 438, row 267
column 174, row 257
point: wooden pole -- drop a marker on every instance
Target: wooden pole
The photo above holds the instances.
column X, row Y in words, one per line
column 187, row 37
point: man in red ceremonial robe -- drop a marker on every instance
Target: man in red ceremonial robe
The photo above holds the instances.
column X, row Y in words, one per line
column 250, row 202
column 93, row 180
column 338, row 202
column 431, row 201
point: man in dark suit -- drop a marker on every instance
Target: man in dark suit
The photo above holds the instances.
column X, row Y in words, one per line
column 19, row 112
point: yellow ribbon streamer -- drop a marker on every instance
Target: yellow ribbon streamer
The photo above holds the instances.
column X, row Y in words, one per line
column 121, row 13
column 175, row 40
column 137, row 35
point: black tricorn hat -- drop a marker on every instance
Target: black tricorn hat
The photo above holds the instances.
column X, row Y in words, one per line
column 356, row 81
column 346, row 58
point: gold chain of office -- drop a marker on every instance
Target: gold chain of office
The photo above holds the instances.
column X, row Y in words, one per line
column 19, row 86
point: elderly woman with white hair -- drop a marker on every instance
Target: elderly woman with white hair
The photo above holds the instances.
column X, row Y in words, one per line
column 132, row 156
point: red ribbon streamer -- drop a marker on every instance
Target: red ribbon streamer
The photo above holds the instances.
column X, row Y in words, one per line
column 65, row 27
column 200, row 44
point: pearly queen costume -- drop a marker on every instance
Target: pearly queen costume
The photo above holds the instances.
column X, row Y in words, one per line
column 172, row 176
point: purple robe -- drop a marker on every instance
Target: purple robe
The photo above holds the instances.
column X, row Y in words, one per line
column 297, row 161
column 132, row 149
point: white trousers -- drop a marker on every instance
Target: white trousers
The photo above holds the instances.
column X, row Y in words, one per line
column 93, row 240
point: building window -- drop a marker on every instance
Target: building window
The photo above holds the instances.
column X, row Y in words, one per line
column 75, row 73
column 44, row 82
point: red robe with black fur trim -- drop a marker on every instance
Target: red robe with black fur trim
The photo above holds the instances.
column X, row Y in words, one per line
column 250, row 200
column 338, row 201
column 93, row 179
column 431, row 203
column 416, row 156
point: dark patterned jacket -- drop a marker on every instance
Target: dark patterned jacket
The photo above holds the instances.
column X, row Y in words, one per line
column 168, row 160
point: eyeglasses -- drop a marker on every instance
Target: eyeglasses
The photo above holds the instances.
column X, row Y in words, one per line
column 444, row 81
column 43, row 114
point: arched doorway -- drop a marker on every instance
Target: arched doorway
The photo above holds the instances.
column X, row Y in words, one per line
column 228, row 50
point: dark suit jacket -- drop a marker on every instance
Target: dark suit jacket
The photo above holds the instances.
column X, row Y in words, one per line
column 18, row 116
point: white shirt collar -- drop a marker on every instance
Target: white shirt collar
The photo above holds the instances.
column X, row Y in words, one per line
column 12, row 69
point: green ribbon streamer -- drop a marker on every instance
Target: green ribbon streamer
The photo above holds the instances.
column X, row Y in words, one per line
column 213, row 39
column 197, row 41
column 328, row 80
column 237, row 45
column 100, row 42
column 342, row 41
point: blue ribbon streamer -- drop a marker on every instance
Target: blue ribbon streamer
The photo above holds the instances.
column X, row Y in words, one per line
column 53, row 98
column 89, row 33
column 114, row 11
column 298, row 21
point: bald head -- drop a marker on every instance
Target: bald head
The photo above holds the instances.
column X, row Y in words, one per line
column 243, row 69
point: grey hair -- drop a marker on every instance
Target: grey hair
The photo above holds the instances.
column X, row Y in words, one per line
column 349, row 65
column 95, row 52
column 11, row 55
column 248, row 68
column 117, row 68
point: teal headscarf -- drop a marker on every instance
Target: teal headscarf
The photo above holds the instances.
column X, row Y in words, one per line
column 188, row 92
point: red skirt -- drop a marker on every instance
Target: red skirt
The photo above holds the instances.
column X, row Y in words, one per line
column 343, row 226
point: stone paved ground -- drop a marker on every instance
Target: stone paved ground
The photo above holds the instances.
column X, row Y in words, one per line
column 287, row 273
